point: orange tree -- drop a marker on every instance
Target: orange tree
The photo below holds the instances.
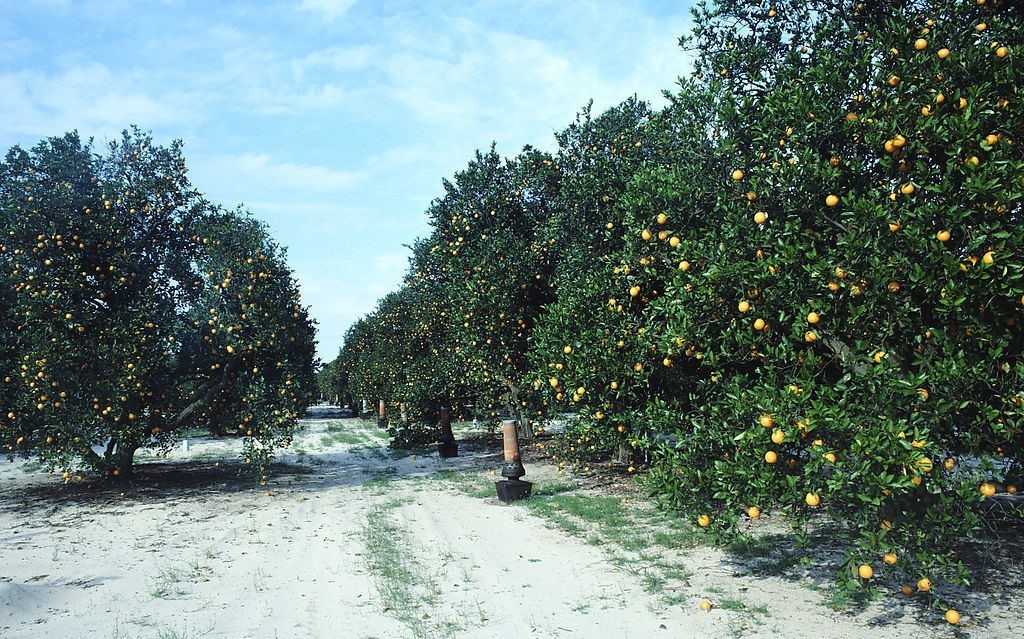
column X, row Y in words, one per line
column 139, row 310
column 495, row 274
column 858, row 299
column 456, row 334
column 333, row 384
column 595, row 353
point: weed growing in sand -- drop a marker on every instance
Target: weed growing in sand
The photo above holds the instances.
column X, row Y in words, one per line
column 406, row 587
column 167, row 584
column 839, row 598
column 353, row 434
column 259, row 580
column 170, row 581
column 742, row 607
column 382, row 483
column 476, row 486
column 635, row 540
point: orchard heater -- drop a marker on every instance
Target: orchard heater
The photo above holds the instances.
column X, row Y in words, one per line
column 512, row 488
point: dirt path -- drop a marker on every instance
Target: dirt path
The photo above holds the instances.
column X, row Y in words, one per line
column 352, row 540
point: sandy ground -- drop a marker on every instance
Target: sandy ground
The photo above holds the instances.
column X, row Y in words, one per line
column 352, row 540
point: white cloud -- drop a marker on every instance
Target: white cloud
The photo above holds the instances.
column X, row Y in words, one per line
column 90, row 98
column 261, row 171
column 330, row 9
column 334, row 59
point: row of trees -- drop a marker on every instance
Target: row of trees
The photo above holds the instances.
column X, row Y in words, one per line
column 799, row 287
column 134, row 310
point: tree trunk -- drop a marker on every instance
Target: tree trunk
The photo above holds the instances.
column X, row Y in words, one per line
column 623, row 453
column 121, row 462
column 523, row 425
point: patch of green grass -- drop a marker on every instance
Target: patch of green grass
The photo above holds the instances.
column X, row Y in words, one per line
column 634, row 540
column 354, row 434
column 406, row 587
column 383, row 481
column 32, row 466
column 840, row 599
column 476, row 486
column 750, row 547
column 770, row 554
column 740, row 606
column 171, row 582
column 167, row 584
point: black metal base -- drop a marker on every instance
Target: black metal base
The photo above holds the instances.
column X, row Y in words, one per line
column 511, row 490
column 448, row 449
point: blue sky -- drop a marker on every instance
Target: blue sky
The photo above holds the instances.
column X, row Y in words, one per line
column 334, row 121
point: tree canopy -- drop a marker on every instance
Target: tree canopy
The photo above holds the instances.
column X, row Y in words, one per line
column 137, row 310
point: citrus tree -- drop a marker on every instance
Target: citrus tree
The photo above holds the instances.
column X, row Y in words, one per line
column 857, row 304
column 593, row 353
column 139, row 310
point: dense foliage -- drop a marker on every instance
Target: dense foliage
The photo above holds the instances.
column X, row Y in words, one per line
column 798, row 288
column 136, row 310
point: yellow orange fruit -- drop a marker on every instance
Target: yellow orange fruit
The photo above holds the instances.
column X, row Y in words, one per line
column 812, row 499
column 943, row 53
column 952, row 616
column 703, row 521
column 942, row 236
column 988, row 489
column 760, row 217
column 743, row 306
column 705, row 605
column 737, row 175
column 771, row 457
column 753, row 512
column 924, row 584
column 778, row 436
column 865, row 571
column 759, row 324
column 767, row 420
column 813, row 318
column 831, row 199
column 890, row 558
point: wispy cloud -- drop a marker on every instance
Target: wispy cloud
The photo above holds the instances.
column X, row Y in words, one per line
column 91, row 98
column 262, row 171
column 330, row 9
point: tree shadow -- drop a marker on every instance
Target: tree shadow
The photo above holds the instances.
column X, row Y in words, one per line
column 995, row 559
column 162, row 481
